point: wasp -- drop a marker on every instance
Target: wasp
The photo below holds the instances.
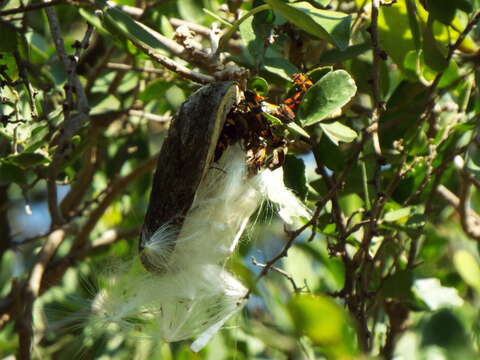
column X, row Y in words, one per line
column 247, row 122
column 302, row 83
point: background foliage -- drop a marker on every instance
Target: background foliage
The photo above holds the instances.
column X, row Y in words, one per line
column 389, row 263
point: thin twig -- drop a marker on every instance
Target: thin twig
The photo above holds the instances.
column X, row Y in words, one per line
column 72, row 123
column 280, row 271
column 30, row 292
column 117, row 66
column 378, row 54
column 427, row 113
column 171, row 65
column 31, row 7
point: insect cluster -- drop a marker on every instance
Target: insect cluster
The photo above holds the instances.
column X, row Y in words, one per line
column 249, row 121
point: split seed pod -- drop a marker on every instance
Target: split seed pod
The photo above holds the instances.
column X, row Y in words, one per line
column 185, row 157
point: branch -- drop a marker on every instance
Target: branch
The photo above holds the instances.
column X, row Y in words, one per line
column 431, row 90
column 71, row 124
column 32, row 7
column 116, row 66
column 378, row 55
column 280, row 271
column 26, row 296
column 171, row 65
column 469, row 219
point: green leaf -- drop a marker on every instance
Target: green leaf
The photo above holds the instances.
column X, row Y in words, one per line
column 413, row 21
column 336, row 56
column 316, row 74
column 328, row 95
column 26, row 160
column 441, row 10
column 133, row 30
column 468, row 268
column 433, row 54
column 9, row 38
column 253, row 32
column 397, row 215
column 154, row 90
column 446, row 330
column 398, row 285
column 337, row 132
column 7, row 60
column 11, row 173
column 296, row 129
column 273, row 120
column 330, row 155
column 191, row 10
column 259, row 85
column 280, row 66
column 325, row 323
column 394, row 31
column 294, row 175
column 325, row 24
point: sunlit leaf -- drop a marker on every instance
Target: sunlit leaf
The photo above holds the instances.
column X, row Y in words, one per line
column 337, row 132
column 325, row 323
column 468, row 268
column 326, row 24
column 328, row 95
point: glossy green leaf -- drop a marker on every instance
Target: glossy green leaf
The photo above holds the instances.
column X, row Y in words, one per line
column 325, row 24
column 327, row 96
column 337, row 132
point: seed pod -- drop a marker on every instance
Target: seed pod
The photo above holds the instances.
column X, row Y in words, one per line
column 184, row 160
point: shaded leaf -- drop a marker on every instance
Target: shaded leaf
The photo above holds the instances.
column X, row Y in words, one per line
column 294, row 175
column 11, row 173
column 25, row 160
column 398, row 285
column 330, row 155
column 9, row 41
